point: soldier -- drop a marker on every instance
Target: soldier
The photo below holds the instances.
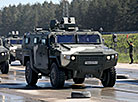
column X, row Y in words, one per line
column 130, row 50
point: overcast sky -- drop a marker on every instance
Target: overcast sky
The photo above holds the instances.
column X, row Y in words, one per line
column 4, row 3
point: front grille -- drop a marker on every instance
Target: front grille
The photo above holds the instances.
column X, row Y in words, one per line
column 81, row 59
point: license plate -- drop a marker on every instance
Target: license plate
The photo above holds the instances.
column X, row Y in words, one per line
column 91, row 62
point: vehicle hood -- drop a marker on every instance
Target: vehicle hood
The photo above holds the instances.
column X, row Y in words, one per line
column 3, row 49
column 14, row 47
column 86, row 49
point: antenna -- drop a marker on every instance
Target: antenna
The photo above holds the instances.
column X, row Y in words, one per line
column 65, row 8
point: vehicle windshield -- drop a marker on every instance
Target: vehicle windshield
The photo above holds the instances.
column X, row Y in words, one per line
column 94, row 39
column 15, row 41
column 66, row 39
column 89, row 39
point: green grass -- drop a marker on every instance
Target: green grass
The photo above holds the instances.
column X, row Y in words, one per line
column 122, row 46
column 124, row 58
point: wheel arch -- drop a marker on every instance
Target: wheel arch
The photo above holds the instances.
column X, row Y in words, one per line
column 54, row 60
column 26, row 59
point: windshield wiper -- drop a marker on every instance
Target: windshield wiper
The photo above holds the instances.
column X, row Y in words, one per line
column 65, row 46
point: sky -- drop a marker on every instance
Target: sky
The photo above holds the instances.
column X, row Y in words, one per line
column 4, row 3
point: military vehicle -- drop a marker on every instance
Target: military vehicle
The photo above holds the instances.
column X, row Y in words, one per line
column 4, row 58
column 64, row 52
column 14, row 44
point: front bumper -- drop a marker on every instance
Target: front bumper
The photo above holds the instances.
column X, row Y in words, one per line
column 4, row 58
column 80, row 68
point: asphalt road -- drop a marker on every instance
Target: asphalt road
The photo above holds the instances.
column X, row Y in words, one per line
column 13, row 88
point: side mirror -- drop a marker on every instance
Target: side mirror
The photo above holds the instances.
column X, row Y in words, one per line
column 52, row 39
column 114, row 36
column 103, row 40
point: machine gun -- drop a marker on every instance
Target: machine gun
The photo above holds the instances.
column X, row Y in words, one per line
column 67, row 24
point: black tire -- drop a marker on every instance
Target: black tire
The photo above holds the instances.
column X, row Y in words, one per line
column 9, row 61
column 5, row 67
column 78, row 80
column 109, row 77
column 30, row 75
column 57, row 77
column 21, row 62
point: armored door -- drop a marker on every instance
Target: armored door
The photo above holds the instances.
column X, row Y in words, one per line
column 40, row 53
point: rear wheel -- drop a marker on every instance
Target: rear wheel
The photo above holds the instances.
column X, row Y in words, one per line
column 5, row 67
column 57, row 77
column 21, row 62
column 30, row 75
column 109, row 77
column 78, row 80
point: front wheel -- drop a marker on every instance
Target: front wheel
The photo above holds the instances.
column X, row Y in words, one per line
column 57, row 77
column 30, row 75
column 109, row 77
column 78, row 80
column 5, row 67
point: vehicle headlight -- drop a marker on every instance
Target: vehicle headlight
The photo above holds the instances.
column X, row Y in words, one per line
column 116, row 56
column 113, row 56
column 14, row 51
column 67, row 57
column 108, row 57
column 2, row 53
column 73, row 58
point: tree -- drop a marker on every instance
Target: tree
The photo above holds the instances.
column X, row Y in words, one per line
column 115, row 15
column 132, row 15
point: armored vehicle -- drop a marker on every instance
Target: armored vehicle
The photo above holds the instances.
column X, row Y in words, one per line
column 4, row 58
column 64, row 52
column 14, row 44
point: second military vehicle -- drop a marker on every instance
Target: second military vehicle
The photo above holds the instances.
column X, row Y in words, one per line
column 14, row 44
column 4, row 58
column 64, row 52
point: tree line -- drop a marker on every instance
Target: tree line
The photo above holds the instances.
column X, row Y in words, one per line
column 111, row 15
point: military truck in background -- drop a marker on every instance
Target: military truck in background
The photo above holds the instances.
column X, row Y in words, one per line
column 14, row 44
column 65, row 52
column 4, row 58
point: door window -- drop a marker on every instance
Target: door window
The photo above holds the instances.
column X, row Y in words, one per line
column 43, row 41
column 36, row 40
column 27, row 40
